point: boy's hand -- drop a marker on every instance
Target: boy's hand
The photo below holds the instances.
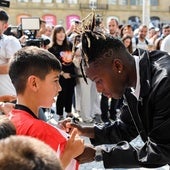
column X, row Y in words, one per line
column 75, row 143
column 6, row 107
column 74, row 147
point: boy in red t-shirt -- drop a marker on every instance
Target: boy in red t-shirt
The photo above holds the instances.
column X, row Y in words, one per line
column 35, row 75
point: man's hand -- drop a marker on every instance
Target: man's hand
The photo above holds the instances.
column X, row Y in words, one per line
column 68, row 125
column 87, row 156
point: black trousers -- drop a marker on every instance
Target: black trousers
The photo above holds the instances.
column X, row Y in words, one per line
column 65, row 97
column 109, row 108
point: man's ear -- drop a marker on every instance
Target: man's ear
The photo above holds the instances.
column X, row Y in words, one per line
column 117, row 66
column 33, row 82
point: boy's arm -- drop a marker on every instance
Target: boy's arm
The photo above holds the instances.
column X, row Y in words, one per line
column 5, row 108
column 7, row 98
column 74, row 147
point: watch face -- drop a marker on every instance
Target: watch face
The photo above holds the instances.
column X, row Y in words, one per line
column 98, row 158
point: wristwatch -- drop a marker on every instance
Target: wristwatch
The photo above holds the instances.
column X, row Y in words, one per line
column 98, row 154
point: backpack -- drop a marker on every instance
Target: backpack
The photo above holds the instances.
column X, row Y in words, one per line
column 137, row 41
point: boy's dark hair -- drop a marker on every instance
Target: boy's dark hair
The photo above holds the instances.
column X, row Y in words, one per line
column 3, row 15
column 28, row 61
column 6, row 127
column 27, row 153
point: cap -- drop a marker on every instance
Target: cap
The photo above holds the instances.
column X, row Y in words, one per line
column 3, row 15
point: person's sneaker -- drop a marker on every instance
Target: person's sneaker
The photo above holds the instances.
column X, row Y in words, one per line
column 70, row 115
column 60, row 117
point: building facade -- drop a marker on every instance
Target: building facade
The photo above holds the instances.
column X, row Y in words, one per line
column 63, row 11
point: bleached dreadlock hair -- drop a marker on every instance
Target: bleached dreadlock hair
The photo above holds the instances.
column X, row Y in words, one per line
column 96, row 44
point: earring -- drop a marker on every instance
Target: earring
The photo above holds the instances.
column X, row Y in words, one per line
column 119, row 71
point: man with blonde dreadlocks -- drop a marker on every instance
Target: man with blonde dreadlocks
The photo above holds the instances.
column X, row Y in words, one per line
column 143, row 79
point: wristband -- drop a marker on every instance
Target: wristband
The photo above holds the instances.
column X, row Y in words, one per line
column 98, row 154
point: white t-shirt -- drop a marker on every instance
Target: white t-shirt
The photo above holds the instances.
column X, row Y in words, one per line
column 165, row 45
column 8, row 46
column 140, row 44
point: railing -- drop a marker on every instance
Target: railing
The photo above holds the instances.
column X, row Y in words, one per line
column 42, row 4
column 95, row 6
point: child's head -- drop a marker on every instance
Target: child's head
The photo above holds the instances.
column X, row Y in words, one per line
column 23, row 152
column 31, row 61
column 3, row 16
column 3, row 21
column 6, row 127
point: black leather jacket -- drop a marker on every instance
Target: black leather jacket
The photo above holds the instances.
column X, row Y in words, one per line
column 149, row 117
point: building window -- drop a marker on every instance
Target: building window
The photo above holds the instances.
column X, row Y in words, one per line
column 93, row 4
column 136, row 2
column 59, row 1
column 133, row 2
column 123, row 2
column 112, row 2
column 23, row 0
column 47, row 1
column 37, row 1
column 154, row 2
column 72, row 1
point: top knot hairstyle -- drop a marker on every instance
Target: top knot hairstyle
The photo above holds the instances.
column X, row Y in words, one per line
column 96, row 43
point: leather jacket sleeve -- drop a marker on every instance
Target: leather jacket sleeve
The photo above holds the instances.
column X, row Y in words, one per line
column 154, row 153
column 155, row 116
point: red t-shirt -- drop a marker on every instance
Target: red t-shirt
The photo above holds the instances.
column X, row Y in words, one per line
column 28, row 125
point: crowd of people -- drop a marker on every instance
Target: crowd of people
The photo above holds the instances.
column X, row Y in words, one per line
column 114, row 77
